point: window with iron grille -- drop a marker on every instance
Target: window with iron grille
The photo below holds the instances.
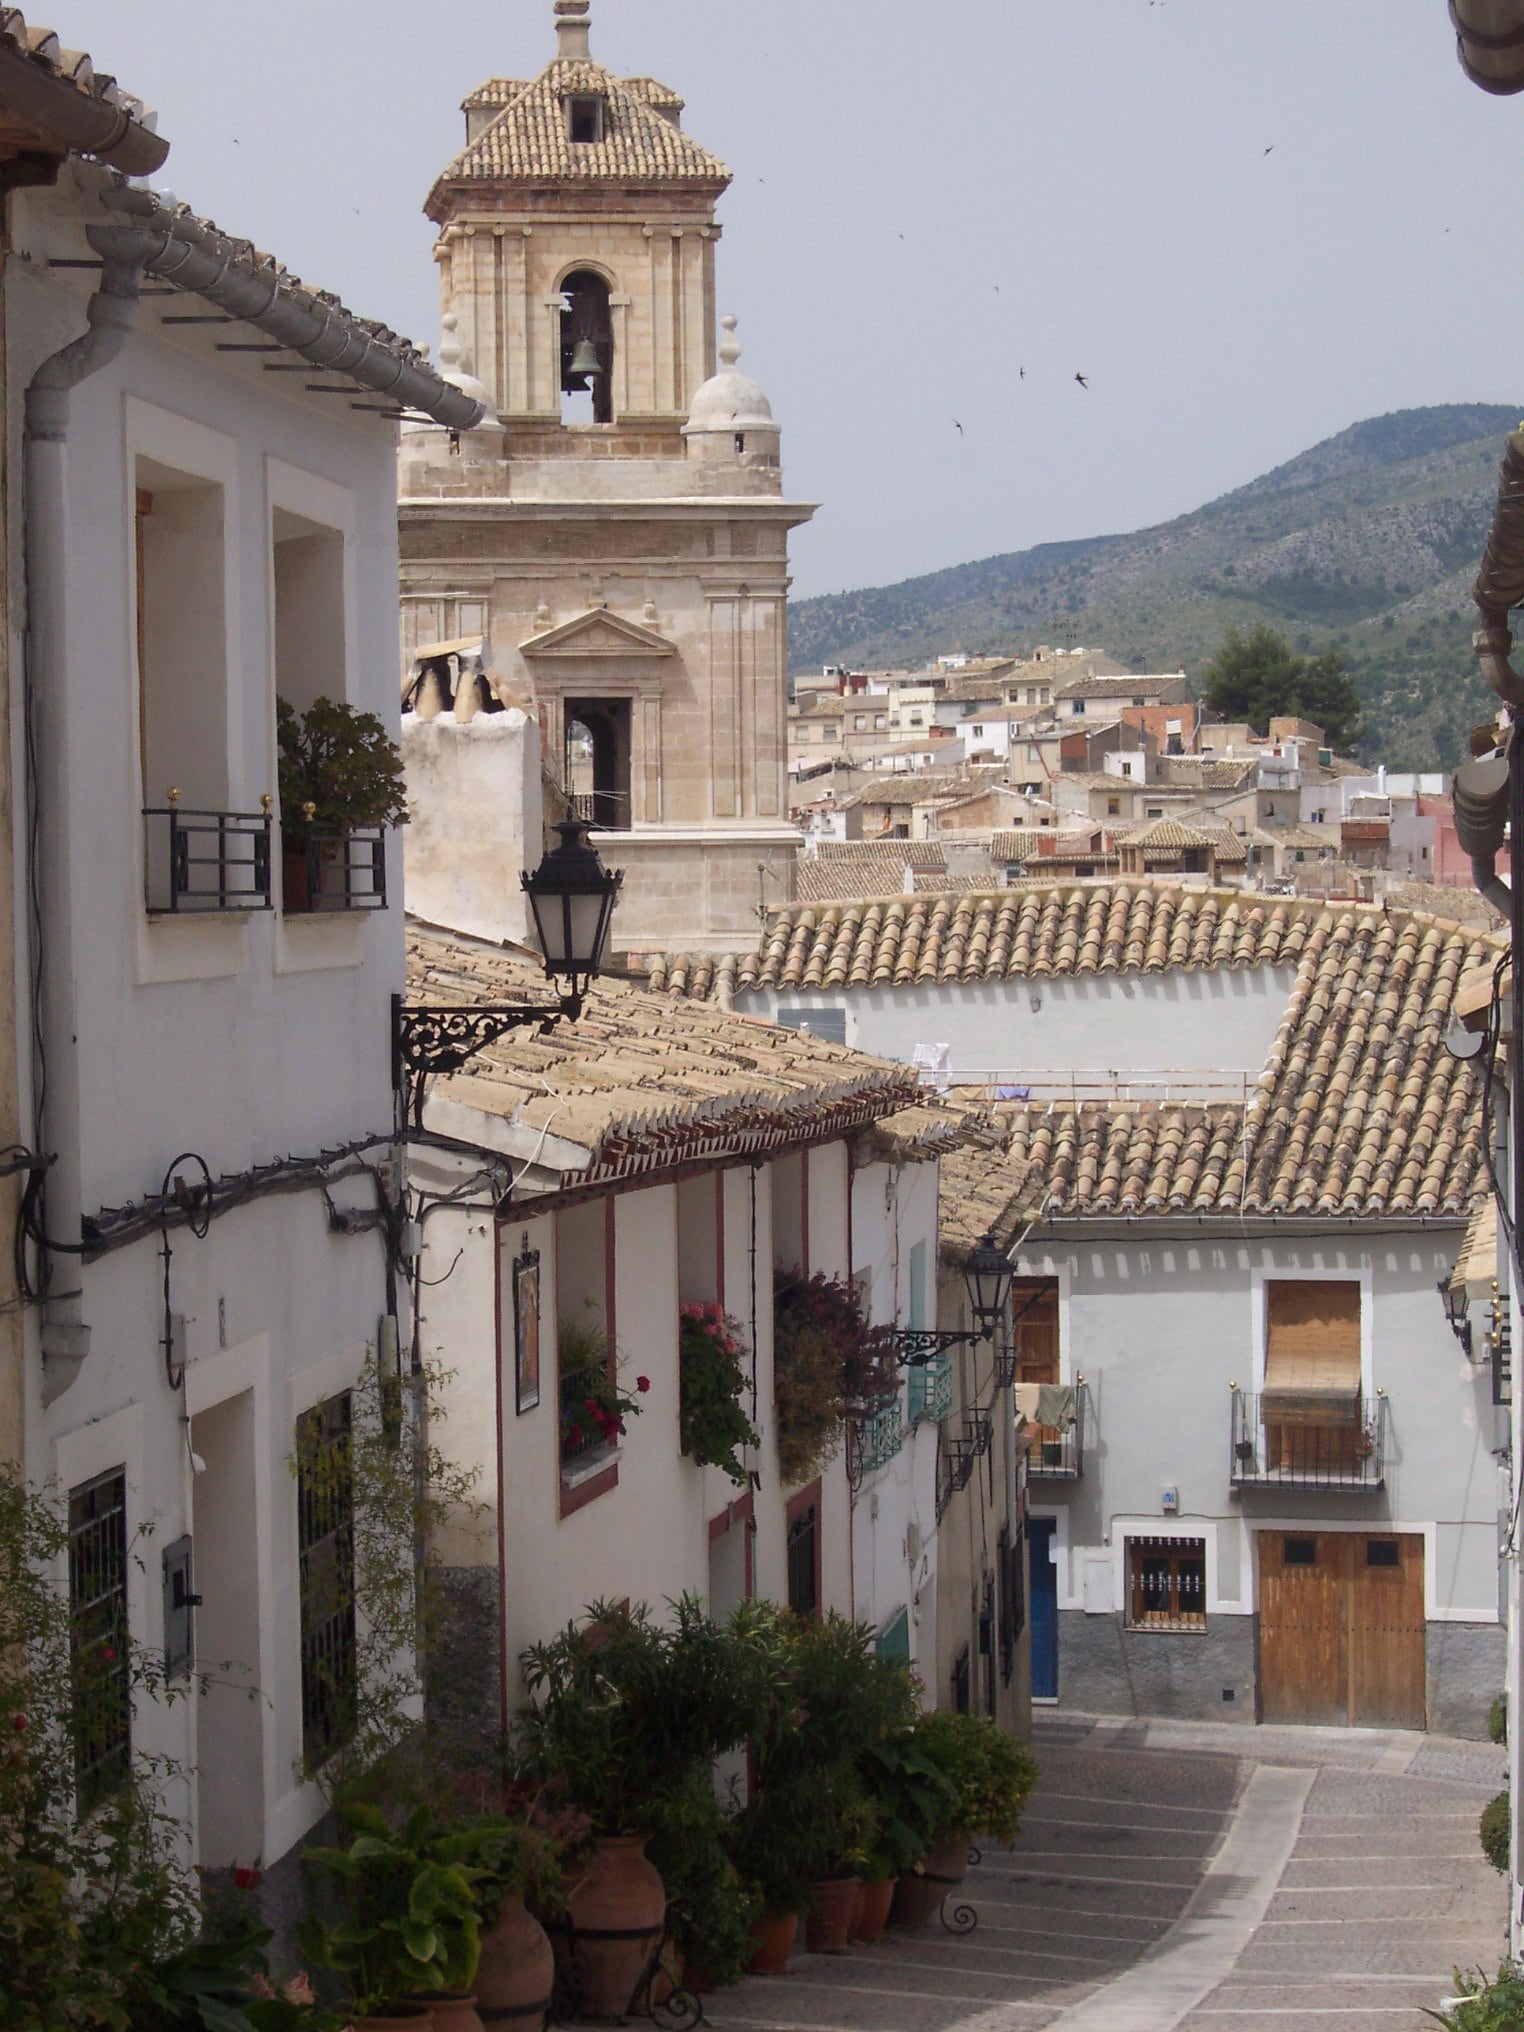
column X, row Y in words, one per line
column 962, row 1681
column 1166, row 1583
column 98, row 1636
column 326, row 1575
column 803, row 1594
column 1013, row 1600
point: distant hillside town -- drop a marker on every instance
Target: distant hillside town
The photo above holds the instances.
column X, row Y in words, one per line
column 979, row 772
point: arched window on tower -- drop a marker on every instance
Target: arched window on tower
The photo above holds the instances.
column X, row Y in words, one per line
column 587, row 349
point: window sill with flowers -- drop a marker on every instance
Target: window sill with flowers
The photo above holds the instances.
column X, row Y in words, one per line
column 594, row 1407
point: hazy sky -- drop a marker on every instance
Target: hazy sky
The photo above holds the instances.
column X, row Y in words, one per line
column 930, row 195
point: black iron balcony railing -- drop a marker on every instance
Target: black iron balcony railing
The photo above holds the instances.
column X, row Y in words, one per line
column 1057, row 1452
column 206, row 860
column 334, row 871
column 959, row 1454
column 1286, row 1438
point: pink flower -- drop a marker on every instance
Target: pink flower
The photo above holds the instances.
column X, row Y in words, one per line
column 19, row 1724
column 108, row 1654
column 642, row 1384
column 299, row 1990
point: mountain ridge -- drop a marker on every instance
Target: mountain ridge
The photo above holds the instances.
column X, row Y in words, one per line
column 1365, row 542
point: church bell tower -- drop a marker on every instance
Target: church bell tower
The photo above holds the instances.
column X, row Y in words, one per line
column 615, row 533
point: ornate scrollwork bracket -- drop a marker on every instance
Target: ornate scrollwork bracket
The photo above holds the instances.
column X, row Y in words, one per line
column 441, row 1038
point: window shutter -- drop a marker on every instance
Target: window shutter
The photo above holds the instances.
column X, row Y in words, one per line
column 1312, row 1349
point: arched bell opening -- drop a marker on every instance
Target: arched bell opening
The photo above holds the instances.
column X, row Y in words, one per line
column 587, row 349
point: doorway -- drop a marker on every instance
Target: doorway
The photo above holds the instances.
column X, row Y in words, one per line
column 230, row 1713
column 1043, row 1595
column 1341, row 1628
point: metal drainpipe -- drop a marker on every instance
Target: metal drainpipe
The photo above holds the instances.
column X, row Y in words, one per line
column 112, row 312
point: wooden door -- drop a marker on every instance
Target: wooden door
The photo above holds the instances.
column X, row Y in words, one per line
column 1303, row 1665
column 1341, row 1628
column 1386, row 1633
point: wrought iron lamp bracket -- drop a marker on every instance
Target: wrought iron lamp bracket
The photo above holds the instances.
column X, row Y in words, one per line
column 914, row 1347
column 441, row 1038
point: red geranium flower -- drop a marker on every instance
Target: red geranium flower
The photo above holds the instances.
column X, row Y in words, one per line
column 247, row 1879
column 642, row 1384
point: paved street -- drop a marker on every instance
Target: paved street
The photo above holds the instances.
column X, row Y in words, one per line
column 1212, row 1878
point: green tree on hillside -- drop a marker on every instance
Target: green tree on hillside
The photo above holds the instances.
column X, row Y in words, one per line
column 1259, row 675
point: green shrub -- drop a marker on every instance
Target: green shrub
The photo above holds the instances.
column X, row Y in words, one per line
column 1497, row 1718
column 1485, row 2006
column 989, row 1771
column 1496, row 1819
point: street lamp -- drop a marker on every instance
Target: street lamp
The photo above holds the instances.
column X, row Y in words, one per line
column 988, row 1274
column 571, row 897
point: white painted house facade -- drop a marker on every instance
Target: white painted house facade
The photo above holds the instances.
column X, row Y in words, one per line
column 190, row 535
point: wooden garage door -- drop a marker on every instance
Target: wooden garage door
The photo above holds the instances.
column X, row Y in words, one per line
column 1341, row 1631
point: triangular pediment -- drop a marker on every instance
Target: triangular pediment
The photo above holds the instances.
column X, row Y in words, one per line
column 598, row 633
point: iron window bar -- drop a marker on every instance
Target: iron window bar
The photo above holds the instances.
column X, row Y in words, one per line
column 1277, row 1443
column 345, row 871
column 873, row 1439
column 206, row 860
column 98, row 1637
column 959, row 1456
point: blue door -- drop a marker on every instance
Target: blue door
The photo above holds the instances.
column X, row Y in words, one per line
column 1044, row 1598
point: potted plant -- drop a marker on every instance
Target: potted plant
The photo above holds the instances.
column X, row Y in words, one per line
column 623, row 1712
column 709, row 1909
column 828, row 1364
column 912, row 1798
column 409, row 1924
column 593, row 1406
column 989, row 1775
column 1484, row 2005
column 521, row 1858
column 337, row 770
column 715, row 1431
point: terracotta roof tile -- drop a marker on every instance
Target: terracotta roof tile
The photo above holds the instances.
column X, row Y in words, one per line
column 1359, row 1110
column 645, row 1085
column 72, row 66
column 529, row 139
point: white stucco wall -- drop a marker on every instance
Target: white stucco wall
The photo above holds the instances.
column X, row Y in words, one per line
column 474, row 793
column 240, row 1038
column 1218, row 1020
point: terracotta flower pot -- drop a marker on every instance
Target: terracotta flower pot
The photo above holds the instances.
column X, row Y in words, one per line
column 918, row 1895
column 873, row 1909
column 516, row 1973
column 455, row 2012
column 398, row 2018
column 617, row 1913
column 829, row 1925
column 775, row 1934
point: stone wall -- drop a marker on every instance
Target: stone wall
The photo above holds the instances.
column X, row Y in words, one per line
column 1106, row 1669
column 1466, row 1666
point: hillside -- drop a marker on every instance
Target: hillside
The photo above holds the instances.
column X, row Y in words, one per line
column 1367, row 543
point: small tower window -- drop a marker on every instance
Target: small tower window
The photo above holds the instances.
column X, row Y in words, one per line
column 584, row 119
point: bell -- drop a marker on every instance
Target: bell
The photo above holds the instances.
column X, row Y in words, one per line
column 584, row 359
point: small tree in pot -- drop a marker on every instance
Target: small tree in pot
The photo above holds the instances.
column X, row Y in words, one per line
column 337, row 769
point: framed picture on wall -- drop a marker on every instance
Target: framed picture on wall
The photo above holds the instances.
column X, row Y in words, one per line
column 526, row 1330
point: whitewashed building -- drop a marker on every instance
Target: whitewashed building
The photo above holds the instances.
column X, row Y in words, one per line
column 1237, row 1165
column 628, row 1164
column 200, row 517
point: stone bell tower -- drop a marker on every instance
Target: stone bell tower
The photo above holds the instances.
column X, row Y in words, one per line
column 615, row 534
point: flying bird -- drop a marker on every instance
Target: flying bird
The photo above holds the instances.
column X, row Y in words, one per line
column 1271, row 149
column 1082, row 381
column 958, row 427
column 1022, row 372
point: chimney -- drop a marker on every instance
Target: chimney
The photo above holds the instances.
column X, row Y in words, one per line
column 571, row 30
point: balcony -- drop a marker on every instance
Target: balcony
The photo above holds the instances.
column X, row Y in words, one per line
column 1056, row 1453
column 203, row 861
column 1314, row 1440
column 334, row 871
column 930, row 1389
column 873, row 1441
